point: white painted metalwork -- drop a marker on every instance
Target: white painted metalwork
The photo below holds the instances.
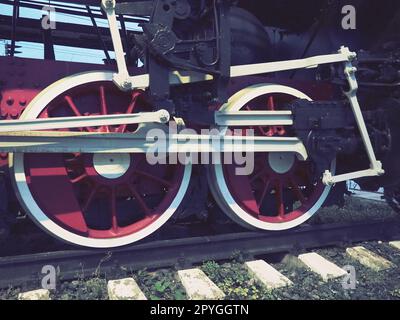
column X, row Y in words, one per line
column 375, row 165
column 253, row 118
column 161, row 116
column 307, row 63
column 111, row 165
column 344, row 55
column 240, row 118
column 143, row 141
column 122, row 78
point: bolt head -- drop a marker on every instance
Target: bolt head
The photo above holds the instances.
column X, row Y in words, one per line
column 353, row 55
column 108, row 4
column 10, row 101
column 163, row 118
column 127, row 85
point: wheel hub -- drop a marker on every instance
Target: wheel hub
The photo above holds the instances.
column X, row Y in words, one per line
column 280, row 162
column 111, row 165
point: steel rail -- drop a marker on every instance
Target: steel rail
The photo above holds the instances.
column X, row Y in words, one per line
column 26, row 269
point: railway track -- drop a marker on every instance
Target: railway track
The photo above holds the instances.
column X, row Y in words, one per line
column 27, row 269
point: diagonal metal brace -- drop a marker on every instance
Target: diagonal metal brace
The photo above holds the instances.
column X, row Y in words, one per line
column 161, row 116
column 375, row 165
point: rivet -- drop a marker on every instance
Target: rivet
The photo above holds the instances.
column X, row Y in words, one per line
column 10, row 101
column 14, row 113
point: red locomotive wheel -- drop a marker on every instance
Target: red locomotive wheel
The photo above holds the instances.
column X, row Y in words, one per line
column 282, row 192
column 96, row 200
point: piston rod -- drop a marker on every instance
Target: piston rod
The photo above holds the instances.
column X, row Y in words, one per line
column 144, row 141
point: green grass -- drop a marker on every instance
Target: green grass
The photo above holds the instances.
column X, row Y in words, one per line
column 235, row 281
column 160, row 285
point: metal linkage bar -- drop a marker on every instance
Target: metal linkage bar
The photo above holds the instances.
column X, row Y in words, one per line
column 122, row 78
column 144, row 141
column 161, row 116
column 307, row 63
column 126, row 82
column 253, row 118
column 222, row 118
column 375, row 165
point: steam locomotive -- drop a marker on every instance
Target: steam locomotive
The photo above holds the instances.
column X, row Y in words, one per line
column 310, row 88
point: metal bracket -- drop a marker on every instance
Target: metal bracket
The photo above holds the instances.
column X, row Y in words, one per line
column 253, row 118
column 376, row 166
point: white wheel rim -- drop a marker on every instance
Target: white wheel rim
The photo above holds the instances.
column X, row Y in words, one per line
column 219, row 187
column 16, row 163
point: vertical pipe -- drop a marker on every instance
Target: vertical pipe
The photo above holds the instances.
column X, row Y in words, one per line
column 14, row 27
column 103, row 44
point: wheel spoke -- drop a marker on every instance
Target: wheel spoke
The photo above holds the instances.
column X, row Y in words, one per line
column 271, row 107
column 271, row 103
column 79, row 178
column 297, row 191
column 154, row 178
column 258, row 175
column 263, row 195
column 279, row 130
column 72, row 106
column 279, row 199
column 89, row 199
column 140, row 199
column 131, row 108
column 103, row 101
column 103, row 107
column 75, row 110
column 113, row 208
column 75, row 158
